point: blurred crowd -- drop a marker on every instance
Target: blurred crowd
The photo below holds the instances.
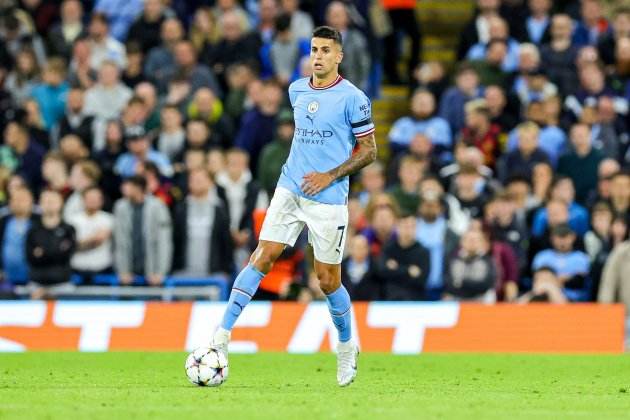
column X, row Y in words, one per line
column 144, row 139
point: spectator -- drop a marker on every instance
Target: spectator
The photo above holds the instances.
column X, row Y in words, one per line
column 471, row 273
column 75, row 120
column 537, row 23
column 507, row 264
column 142, row 234
column 120, row 13
column 50, row 244
column 63, row 34
column 581, row 165
column 149, row 95
column 72, row 149
column 103, row 47
column 458, row 219
column 21, row 155
column 108, row 97
column 140, row 150
column 607, row 43
column 236, row 45
column 381, row 214
column 406, row 191
column 563, row 190
column 572, row 267
column 207, row 107
column 286, row 51
column 243, row 195
column 521, row 161
column 480, row 132
column 546, row 288
column 159, row 65
column 132, row 74
column 258, row 125
column 614, row 283
column 24, row 76
column 592, row 85
column 356, row 64
column 14, row 227
column 81, row 72
column 559, row 54
column 504, row 225
column 301, row 22
column 359, row 271
column 198, row 137
column 55, row 173
column 51, row 95
column 534, row 86
column 108, row 157
column 203, row 244
column 431, row 75
column 607, row 169
column 172, row 137
column 498, row 31
column 275, row 154
column 186, row 65
column 421, row 121
column 404, row 264
column 433, row 233
column 592, row 23
column 16, row 32
column 551, row 138
column 204, row 29
column 372, row 178
column 608, row 131
column 146, row 28
column 471, row 193
column 620, row 193
column 83, row 175
column 501, row 112
column 157, row 186
column 93, row 227
column 598, row 241
column 477, row 29
column 402, row 15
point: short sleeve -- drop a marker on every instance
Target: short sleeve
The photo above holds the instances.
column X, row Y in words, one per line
column 361, row 115
column 292, row 94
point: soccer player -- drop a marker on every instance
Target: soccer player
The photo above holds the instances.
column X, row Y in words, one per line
column 331, row 117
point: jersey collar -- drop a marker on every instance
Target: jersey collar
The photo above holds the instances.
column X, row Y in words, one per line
column 331, row 84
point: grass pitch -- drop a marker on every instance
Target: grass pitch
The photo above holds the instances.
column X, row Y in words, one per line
column 281, row 386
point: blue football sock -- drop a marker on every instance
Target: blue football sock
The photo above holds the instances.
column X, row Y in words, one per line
column 244, row 288
column 339, row 306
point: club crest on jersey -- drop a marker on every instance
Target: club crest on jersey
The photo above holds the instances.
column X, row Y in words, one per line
column 313, row 107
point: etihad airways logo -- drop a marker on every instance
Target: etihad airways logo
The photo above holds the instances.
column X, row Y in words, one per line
column 311, row 136
column 313, row 133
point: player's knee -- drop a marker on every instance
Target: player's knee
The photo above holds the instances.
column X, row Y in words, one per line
column 328, row 282
column 263, row 258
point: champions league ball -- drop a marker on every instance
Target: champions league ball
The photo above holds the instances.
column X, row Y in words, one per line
column 206, row 366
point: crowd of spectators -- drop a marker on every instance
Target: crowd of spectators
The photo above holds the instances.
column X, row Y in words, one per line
column 145, row 138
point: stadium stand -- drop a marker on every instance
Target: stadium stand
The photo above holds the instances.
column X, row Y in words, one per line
column 161, row 128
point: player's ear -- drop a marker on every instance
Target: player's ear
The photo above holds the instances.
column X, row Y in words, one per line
column 339, row 57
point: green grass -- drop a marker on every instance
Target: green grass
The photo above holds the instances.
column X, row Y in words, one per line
column 280, row 386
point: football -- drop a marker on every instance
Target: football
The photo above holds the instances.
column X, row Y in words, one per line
column 206, row 366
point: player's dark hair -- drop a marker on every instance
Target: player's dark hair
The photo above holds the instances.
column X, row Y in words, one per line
column 327, row 32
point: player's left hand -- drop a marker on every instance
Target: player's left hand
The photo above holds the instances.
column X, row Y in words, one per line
column 314, row 182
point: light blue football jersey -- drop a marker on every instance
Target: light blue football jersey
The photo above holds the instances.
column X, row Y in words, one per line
column 327, row 122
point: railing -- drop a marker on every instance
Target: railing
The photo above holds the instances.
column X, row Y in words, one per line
column 108, row 286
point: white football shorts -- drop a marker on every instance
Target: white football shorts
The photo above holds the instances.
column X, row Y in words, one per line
column 288, row 213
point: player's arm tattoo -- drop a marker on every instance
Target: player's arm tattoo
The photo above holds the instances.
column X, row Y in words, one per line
column 365, row 154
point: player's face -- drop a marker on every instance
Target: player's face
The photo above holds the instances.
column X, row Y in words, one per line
column 325, row 56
